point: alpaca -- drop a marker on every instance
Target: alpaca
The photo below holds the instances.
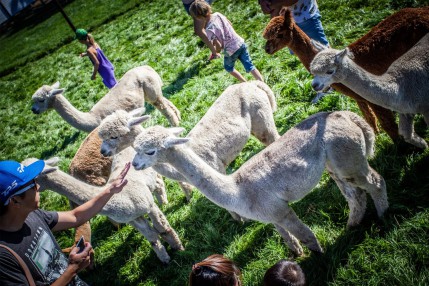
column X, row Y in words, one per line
column 243, row 109
column 403, row 88
column 129, row 206
column 374, row 52
column 138, row 85
column 283, row 172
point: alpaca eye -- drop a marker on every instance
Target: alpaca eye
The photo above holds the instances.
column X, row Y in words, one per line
column 41, row 100
column 330, row 72
column 150, row 153
column 114, row 138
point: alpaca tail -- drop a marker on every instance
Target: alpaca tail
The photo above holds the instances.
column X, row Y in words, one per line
column 269, row 92
column 367, row 131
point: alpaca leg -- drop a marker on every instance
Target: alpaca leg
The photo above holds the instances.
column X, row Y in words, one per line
column 187, row 190
column 406, row 129
column 368, row 114
column 142, row 225
column 164, row 229
column 159, row 192
column 264, row 128
column 290, row 240
column 168, row 109
column 387, row 121
column 298, row 229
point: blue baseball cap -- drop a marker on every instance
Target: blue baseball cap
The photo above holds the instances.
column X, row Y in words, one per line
column 14, row 175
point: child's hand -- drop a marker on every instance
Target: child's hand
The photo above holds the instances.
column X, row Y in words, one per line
column 214, row 56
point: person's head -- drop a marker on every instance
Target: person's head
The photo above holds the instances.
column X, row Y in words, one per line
column 284, row 273
column 18, row 185
column 215, row 270
column 84, row 37
column 200, row 9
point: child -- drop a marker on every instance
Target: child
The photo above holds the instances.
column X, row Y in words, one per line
column 101, row 64
column 222, row 36
column 284, row 273
column 215, row 270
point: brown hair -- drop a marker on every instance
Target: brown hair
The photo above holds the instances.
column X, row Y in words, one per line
column 284, row 273
column 215, row 270
column 3, row 208
column 200, row 8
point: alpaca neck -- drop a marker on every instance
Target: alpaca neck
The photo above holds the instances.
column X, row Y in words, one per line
column 64, row 184
column 84, row 121
column 217, row 187
column 301, row 46
column 376, row 89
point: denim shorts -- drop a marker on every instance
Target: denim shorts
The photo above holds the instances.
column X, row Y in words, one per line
column 241, row 54
column 189, row 5
column 314, row 29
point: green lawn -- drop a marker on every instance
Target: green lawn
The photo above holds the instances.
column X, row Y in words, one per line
column 392, row 251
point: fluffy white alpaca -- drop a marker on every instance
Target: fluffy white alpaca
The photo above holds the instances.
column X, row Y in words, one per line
column 138, row 85
column 285, row 171
column 129, row 206
column 402, row 88
column 241, row 110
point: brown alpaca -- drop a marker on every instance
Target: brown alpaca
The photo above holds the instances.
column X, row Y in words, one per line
column 375, row 51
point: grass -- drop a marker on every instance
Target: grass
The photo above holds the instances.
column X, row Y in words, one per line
column 393, row 251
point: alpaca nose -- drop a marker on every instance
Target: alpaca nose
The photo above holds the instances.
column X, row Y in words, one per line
column 136, row 165
column 35, row 110
column 316, row 86
column 105, row 153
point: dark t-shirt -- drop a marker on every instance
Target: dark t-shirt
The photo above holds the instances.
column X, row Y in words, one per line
column 36, row 245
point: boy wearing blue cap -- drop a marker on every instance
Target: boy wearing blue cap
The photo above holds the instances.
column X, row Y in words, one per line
column 27, row 230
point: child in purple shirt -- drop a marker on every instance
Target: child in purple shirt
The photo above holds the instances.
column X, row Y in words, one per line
column 101, row 64
column 223, row 36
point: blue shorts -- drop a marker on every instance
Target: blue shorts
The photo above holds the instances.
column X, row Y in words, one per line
column 314, row 29
column 189, row 5
column 243, row 55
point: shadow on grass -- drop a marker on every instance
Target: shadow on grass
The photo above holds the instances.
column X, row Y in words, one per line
column 68, row 140
column 183, row 77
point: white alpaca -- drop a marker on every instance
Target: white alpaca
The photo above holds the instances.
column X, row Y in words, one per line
column 242, row 109
column 402, row 88
column 138, row 85
column 129, row 206
column 285, row 171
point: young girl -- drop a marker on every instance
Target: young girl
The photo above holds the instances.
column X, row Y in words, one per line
column 223, row 36
column 101, row 64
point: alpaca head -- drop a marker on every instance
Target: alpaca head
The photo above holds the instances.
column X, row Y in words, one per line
column 50, row 166
column 326, row 66
column 278, row 32
column 119, row 129
column 150, row 145
column 44, row 97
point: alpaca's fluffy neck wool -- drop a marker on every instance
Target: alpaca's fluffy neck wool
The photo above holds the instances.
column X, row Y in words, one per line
column 84, row 121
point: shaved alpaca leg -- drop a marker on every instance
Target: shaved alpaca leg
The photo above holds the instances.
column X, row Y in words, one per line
column 142, row 225
column 406, row 129
column 164, row 229
column 159, row 192
column 290, row 241
column 187, row 190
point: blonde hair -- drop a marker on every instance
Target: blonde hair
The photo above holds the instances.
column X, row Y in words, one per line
column 200, row 8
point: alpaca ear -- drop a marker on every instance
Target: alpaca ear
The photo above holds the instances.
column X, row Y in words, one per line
column 284, row 11
column 318, row 45
column 52, row 161
column 172, row 141
column 137, row 120
column 176, row 130
column 50, row 165
column 56, row 85
column 340, row 56
column 137, row 112
column 55, row 92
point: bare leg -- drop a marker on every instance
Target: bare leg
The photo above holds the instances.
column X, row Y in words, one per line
column 238, row 75
column 257, row 75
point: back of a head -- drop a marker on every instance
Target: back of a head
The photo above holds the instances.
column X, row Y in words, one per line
column 215, row 270
column 284, row 273
column 200, row 8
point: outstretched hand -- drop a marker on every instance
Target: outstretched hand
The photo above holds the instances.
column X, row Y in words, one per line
column 119, row 183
